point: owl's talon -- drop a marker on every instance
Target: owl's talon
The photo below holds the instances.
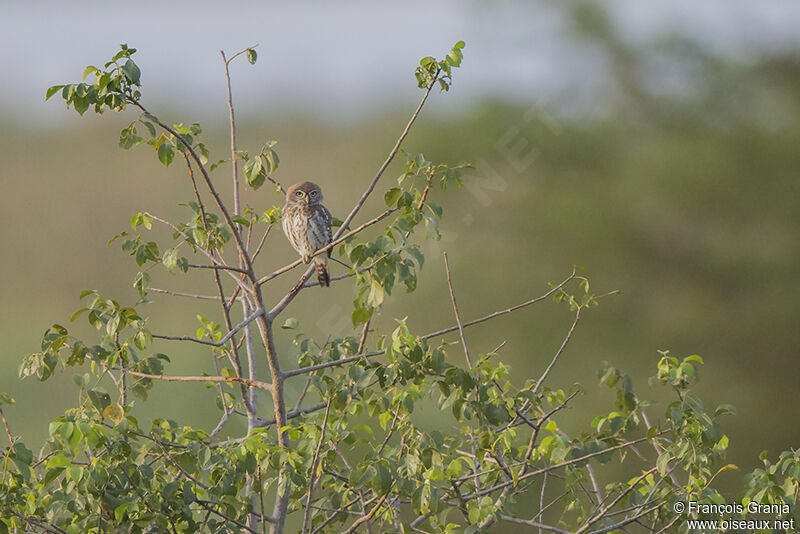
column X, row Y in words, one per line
column 306, row 258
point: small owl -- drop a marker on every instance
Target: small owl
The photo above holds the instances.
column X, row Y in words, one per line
column 307, row 225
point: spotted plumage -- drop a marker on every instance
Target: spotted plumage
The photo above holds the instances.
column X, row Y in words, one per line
column 307, row 225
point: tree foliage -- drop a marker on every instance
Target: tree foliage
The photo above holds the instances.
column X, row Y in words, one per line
column 352, row 454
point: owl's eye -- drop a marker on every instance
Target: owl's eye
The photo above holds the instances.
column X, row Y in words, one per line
column 313, row 193
column 299, row 193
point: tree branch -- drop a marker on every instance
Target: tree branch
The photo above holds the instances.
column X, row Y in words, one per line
column 589, row 522
column 388, row 160
column 313, row 470
column 559, row 351
column 343, row 361
column 455, row 311
column 233, row 379
column 224, row 339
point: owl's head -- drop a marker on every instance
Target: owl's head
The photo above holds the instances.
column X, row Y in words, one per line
column 304, row 193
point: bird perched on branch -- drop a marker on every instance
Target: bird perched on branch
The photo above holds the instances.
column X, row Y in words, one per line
column 307, row 225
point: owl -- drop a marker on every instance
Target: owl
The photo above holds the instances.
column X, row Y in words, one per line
column 307, row 225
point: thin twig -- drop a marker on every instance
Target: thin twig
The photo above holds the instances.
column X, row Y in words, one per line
column 176, row 464
column 388, row 160
column 532, row 523
column 205, row 504
column 553, row 467
column 221, row 267
column 303, row 393
column 346, row 223
column 364, row 332
column 224, row 339
column 39, row 523
column 313, row 470
column 291, row 414
column 502, row 312
column 232, row 379
column 370, row 515
column 343, row 361
column 455, row 311
column 181, row 294
column 234, row 161
column 560, row 350
column 589, row 522
column 261, row 243
column 8, row 430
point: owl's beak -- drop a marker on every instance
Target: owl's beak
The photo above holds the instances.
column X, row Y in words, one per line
column 307, row 199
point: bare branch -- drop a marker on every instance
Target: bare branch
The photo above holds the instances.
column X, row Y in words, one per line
column 560, row 350
column 589, row 522
column 205, row 504
column 221, row 205
column 341, row 232
column 313, row 469
column 181, row 294
column 532, row 523
column 343, row 361
column 291, row 414
column 364, row 332
column 631, row 519
column 249, row 319
column 261, row 243
column 502, row 312
column 388, row 160
column 233, row 379
column 8, row 430
column 183, row 471
column 455, row 311
column 553, row 467
column 370, row 515
column 39, row 523
column 234, row 161
column 221, row 267
column 208, row 254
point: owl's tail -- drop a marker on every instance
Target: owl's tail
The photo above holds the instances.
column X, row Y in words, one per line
column 322, row 270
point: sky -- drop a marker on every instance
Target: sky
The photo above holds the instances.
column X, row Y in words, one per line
column 345, row 58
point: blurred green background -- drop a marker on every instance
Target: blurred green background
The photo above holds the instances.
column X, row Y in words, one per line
column 664, row 161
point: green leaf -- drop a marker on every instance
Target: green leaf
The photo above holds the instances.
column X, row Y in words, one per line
column 725, row 409
column 391, row 196
column 291, row 324
column 244, row 221
column 23, row 453
column 662, row 462
column 119, row 511
column 100, row 399
column 165, row 154
column 59, row 460
column 91, row 69
column 455, row 469
column 384, row 418
column 252, row 56
column 150, row 128
column 170, row 259
column 254, row 173
column 53, row 90
column 272, row 160
column 131, row 71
